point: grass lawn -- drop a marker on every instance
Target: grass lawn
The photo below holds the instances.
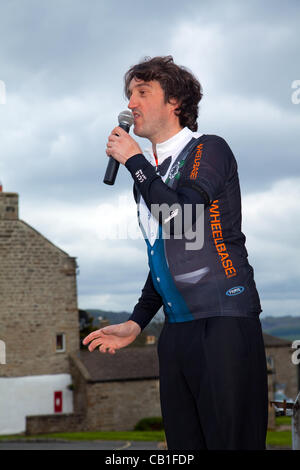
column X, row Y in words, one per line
column 97, row 435
column 279, row 438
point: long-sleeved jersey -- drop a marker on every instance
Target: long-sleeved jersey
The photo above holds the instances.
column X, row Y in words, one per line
column 210, row 276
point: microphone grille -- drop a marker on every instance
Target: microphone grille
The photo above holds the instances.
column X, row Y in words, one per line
column 126, row 117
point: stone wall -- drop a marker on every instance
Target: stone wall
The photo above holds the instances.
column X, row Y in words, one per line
column 284, row 370
column 118, row 406
column 38, row 297
column 112, row 406
column 54, row 423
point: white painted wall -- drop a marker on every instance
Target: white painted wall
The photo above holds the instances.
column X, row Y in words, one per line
column 31, row 395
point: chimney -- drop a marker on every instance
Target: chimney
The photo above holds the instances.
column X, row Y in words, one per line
column 9, row 205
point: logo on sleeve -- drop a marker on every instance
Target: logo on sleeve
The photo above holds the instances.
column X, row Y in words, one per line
column 217, row 234
column 196, row 164
column 235, row 291
column 140, row 176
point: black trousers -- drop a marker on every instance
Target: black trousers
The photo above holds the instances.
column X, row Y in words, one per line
column 213, row 384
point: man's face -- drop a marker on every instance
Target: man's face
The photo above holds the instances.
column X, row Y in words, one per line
column 152, row 116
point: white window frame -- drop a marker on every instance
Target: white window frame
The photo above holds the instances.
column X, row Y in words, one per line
column 63, row 343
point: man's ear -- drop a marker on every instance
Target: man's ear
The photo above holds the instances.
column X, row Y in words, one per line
column 175, row 103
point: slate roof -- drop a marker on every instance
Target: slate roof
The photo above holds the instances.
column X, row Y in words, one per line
column 134, row 363
column 274, row 341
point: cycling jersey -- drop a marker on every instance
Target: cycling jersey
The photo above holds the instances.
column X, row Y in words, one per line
column 215, row 279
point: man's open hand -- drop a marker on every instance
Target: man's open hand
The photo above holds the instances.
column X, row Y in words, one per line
column 113, row 337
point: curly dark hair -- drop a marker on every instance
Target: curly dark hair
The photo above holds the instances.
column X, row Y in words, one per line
column 176, row 81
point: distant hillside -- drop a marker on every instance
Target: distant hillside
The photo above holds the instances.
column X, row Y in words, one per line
column 286, row 327
column 153, row 328
column 113, row 317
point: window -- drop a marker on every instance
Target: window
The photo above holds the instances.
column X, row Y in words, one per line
column 60, row 342
column 270, row 364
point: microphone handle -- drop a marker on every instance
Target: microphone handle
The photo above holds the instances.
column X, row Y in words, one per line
column 113, row 165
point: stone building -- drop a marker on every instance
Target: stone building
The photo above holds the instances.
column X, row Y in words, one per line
column 38, row 321
column 285, row 374
column 282, row 373
column 111, row 392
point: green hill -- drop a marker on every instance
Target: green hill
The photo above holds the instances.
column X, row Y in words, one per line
column 285, row 327
column 153, row 328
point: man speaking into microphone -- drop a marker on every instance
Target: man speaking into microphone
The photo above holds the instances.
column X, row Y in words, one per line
column 213, row 378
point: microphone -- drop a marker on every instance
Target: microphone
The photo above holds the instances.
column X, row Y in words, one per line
column 125, row 119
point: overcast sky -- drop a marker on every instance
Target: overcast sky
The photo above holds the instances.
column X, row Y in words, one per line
column 63, row 61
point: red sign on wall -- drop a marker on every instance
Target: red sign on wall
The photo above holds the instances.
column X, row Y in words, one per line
column 58, row 402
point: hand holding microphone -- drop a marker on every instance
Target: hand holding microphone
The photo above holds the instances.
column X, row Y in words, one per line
column 120, row 146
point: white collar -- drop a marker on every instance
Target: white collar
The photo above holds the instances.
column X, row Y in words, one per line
column 172, row 146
